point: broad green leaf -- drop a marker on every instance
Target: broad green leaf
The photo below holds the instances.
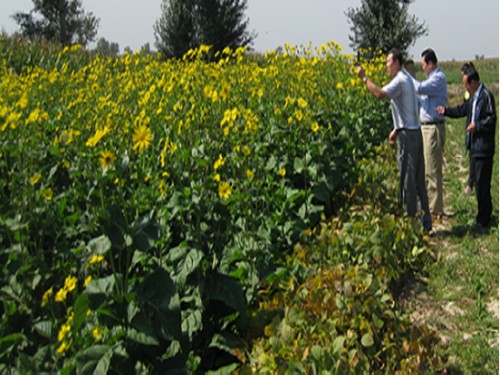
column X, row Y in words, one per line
column 367, row 339
column 192, row 321
column 88, row 360
column 226, row 289
column 159, row 293
column 229, row 369
column 103, row 285
column 188, row 264
column 141, row 337
column 81, row 307
column 11, row 341
column 377, row 322
column 317, row 352
column 99, row 245
column 44, row 328
column 338, row 344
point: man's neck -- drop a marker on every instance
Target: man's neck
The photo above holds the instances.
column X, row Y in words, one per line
column 474, row 87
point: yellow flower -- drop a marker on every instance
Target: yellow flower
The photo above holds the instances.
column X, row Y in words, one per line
column 299, row 115
column 219, row 162
column 99, row 134
column 106, row 160
column 314, row 126
column 63, row 331
column 47, row 194
column 250, row 174
column 97, row 333
column 216, row 177
column 282, row 172
column 88, row 279
column 340, row 85
column 34, row 179
column 142, row 138
column 302, row 103
column 225, row 190
column 70, row 283
column 96, row 259
column 36, row 116
column 61, row 295
column 46, row 296
column 64, row 347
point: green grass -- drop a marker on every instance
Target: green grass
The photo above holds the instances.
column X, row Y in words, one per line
column 488, row 71
column 460, row 297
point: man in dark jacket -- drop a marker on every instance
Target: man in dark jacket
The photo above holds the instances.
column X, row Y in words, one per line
column 481, row 120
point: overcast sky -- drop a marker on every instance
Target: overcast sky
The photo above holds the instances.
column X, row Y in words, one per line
column 458, row 29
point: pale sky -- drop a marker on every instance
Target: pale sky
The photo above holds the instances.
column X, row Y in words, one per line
column 458, row 29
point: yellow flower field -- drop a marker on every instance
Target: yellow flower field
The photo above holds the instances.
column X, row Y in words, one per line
column 132, row 180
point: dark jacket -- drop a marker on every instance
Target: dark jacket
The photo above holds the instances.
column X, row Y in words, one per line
column 480, row 143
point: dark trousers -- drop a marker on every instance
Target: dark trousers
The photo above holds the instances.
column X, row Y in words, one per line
column 482, row 170
column 413, row 192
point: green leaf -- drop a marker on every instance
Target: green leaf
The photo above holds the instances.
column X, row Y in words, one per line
column 367, row 340
column 99, row 245
column 116, row 227
column 188, row 264
column 103, row 285
column 44, row 328
column 81, row 307
column 226, row 341
column 338, row 344
column 225, row 289
column 146, row 232
column 377, row 322
column 142, row 337
column 317, row 352
column 89, row 359
column 11, row 342
column 158, row 294
column 224, row 370
column 192, row 321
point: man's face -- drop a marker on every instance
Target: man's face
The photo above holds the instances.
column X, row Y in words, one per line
column 467, row 85
column 427, row 67
column 392, row 65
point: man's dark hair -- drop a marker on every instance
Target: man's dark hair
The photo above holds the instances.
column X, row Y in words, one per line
column 469, row 70
column 396, row 55
column 429, row 55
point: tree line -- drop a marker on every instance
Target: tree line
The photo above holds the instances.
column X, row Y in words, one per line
column 376, row 25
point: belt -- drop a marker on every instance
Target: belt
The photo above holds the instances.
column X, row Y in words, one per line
column 437, row 122
column 407, row 130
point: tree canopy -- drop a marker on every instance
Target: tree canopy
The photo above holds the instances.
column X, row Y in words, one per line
column 191, row 23
column 380, row 25
column 61, row 21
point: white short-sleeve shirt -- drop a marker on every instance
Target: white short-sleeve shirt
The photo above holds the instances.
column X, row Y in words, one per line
column 404, row 103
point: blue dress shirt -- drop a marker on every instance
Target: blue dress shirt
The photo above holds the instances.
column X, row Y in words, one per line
column 432, row 93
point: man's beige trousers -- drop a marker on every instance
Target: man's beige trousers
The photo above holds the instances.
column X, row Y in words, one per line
column 434, row 137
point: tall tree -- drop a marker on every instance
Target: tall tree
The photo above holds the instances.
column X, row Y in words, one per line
column 379, row 25
column 191, row 23
column 61, row 21
column 175, row 30
column 222, row 23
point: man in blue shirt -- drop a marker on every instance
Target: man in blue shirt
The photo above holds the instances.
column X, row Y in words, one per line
column 432, row 94
column 401, row 91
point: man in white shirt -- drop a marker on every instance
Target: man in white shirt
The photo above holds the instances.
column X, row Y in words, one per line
column 405, row 114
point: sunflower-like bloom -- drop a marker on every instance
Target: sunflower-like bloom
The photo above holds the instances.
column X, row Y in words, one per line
column 225, row 190
column 107, row 160
column 142, row 138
